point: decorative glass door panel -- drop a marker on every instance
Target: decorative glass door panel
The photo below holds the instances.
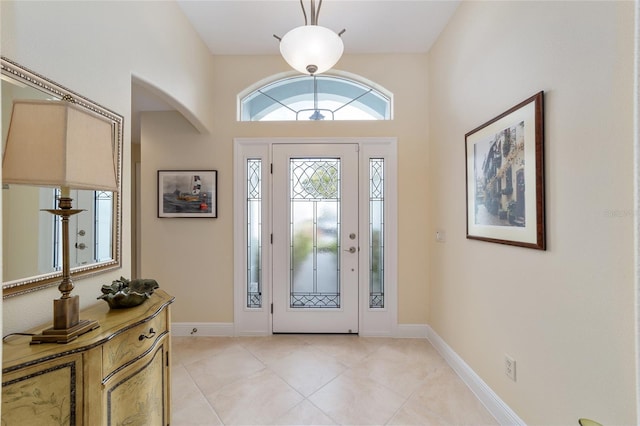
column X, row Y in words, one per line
column 315, row 225
column 315, row 238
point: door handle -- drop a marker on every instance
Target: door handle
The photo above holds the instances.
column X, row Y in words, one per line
column 351, row 249
column 81, row 246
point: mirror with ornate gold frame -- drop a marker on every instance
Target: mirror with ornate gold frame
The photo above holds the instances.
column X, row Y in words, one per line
column 29, row 241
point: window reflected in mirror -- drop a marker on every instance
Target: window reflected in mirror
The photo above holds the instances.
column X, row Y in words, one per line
column 90, row 236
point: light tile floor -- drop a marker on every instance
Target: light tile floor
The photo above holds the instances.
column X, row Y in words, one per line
column 317, row 380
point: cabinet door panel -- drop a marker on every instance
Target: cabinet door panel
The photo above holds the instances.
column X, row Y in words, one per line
column 49, row 393
column 136, row 395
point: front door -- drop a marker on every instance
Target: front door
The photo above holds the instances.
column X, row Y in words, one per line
column 315, row 238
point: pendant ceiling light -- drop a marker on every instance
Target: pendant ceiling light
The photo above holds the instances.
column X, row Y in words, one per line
column 311, row 49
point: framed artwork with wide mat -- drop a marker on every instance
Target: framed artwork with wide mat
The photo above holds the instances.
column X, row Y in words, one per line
column 505, row 177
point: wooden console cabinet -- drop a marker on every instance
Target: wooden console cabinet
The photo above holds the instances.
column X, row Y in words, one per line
column 117, row 374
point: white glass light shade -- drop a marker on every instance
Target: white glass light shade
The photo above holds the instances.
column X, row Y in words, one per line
column 55, row 143
column 311, row 45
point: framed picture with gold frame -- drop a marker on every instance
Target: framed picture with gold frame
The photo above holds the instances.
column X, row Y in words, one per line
column 505, row 177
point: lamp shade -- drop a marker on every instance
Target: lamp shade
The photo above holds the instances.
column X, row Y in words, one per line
column 311, row 49
column 57, row 143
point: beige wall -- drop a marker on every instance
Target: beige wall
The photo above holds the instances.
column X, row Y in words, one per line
column 94, row 48
column 566, row 314
column 193, row 257
column 21, row 232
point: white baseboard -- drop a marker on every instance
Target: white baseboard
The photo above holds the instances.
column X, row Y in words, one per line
column 227, row 330
column 412, row 331
column 496, row 406
column 222, row 329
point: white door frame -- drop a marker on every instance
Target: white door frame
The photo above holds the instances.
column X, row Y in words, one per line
column 372, row 321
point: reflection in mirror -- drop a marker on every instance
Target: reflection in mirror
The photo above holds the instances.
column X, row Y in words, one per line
column 90, row 236
column 32, row 242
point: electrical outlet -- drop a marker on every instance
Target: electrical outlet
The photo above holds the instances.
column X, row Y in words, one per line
column 510, row 367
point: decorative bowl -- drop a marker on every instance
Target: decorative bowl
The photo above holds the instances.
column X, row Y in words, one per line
column 123, row 293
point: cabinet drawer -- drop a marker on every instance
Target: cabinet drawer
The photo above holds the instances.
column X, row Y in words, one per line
column 132, row 344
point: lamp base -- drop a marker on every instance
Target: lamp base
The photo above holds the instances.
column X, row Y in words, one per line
column 65, row 335
column 66, row 325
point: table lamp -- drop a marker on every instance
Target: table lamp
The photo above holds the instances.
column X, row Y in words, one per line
column 59, row 144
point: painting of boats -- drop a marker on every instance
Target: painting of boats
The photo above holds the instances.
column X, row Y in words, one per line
column 187, row 193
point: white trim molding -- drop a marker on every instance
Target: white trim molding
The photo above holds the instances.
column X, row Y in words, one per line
column 372, row 321
column 492, row 402
column 412, row 331
column 218, row 329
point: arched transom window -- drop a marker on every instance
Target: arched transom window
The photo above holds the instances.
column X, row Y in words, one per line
column 321, row 97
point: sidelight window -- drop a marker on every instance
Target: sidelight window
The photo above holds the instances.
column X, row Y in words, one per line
column 254, row 233
column 376, row 233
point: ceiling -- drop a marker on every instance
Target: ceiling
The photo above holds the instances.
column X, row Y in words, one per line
column 246, row 27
